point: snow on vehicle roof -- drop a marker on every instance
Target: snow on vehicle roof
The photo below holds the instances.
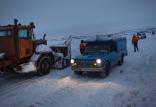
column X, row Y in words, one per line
column 107, row 37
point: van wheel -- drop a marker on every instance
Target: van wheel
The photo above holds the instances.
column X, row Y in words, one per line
column 44, row 66
column 78, row 72
column 106, row 70
column 103, row 74
column 120, row 62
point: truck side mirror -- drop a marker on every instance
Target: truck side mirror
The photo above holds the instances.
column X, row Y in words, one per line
column 15, row 22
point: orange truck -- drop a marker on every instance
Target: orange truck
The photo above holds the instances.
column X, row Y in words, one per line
column 19, row 47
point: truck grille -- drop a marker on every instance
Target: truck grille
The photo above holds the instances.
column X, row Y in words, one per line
column 85, row 63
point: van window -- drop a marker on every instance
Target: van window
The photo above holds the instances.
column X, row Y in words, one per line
column 98, row 48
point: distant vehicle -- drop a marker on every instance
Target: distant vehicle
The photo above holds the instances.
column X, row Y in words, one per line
column 99, row 55
column 141, row 35
column 19, row 48
column 153, row 32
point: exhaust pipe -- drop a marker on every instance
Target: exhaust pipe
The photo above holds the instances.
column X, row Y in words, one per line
column 15, row 22
column 32, row 24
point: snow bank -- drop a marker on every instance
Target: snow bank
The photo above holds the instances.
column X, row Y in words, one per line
column 133, row 87
column 26, row 68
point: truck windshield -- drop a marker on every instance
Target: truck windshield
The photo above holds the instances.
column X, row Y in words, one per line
column 99, row 48
column 5, row 33
column 23, row 33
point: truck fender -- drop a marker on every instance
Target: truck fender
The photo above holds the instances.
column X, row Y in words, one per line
column 42, row 50
column 35, row 57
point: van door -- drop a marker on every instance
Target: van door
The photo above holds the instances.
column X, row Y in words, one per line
column 113, row 53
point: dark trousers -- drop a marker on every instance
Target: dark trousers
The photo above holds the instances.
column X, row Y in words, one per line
column 136, row 46
column 81, row 50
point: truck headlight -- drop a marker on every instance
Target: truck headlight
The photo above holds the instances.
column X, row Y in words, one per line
column 98, row 61
column 72, row 61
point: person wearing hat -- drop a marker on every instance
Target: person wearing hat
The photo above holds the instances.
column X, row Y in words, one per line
column 135, row 42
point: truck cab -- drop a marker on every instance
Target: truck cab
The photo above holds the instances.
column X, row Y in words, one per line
column 17, row 44
column 19, row 50
column 100, row 55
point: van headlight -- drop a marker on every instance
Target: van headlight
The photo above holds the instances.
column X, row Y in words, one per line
column 72, row 61
column 98, row 61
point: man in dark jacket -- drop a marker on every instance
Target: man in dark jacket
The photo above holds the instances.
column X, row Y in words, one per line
column 135, row 42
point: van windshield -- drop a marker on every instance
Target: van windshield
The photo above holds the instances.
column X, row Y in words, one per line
column 98, row 48
column 5, row 33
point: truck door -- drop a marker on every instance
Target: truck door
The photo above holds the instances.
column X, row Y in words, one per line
column 25, row 43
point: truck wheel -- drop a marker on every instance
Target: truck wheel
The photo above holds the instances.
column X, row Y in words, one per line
column 120, row 62
column 44, row 66
column 106, row 70
column 78, row 72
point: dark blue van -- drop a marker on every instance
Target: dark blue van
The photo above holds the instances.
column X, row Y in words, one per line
column 100, row 55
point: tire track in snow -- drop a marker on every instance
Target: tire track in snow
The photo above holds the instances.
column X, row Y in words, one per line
column 30, row 80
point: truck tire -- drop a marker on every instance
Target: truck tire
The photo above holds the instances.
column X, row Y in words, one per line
column 106, row 70
column 78, row 72
column 44, row 66
column 120, row 62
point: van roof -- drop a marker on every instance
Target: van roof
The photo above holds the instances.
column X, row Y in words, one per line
column 105, row 40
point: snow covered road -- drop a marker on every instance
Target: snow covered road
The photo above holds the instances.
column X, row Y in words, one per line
column 129, row 85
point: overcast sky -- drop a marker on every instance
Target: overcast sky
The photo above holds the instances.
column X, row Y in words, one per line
column 80, row 16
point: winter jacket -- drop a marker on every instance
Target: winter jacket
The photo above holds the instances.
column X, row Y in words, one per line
column 135, row 39
column 82, row 45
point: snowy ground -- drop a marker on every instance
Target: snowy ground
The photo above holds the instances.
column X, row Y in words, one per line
column 129, row 85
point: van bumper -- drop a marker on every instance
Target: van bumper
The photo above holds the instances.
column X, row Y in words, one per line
column 88, row 69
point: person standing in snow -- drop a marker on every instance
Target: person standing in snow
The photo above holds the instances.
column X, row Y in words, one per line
column 135, row 42
column 82, row 46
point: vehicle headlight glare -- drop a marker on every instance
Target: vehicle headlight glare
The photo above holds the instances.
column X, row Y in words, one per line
column 98, row 61
column 72, row 61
